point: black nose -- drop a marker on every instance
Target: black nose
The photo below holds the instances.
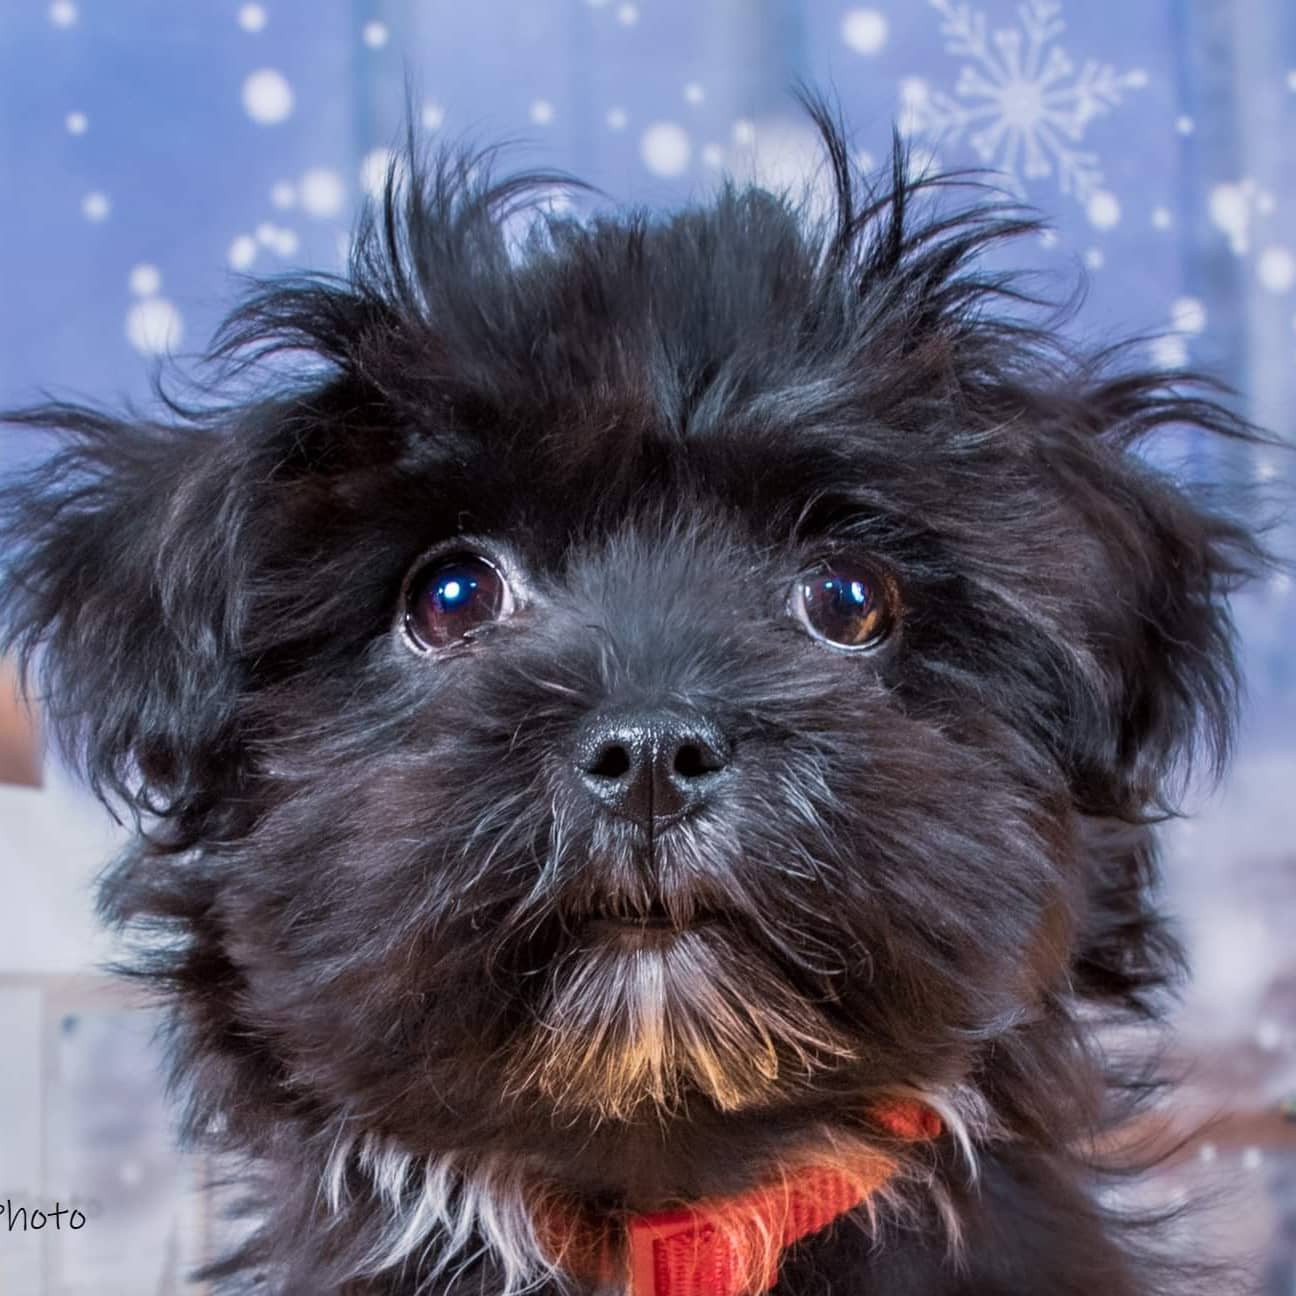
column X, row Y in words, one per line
column 651, row 766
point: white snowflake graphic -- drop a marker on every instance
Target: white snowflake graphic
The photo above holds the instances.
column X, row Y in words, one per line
column 1020, row 100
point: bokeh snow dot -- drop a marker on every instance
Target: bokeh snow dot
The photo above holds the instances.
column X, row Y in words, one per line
column 267, row 96
column 322, row 192
column 1169, row 352
column 1187, row 315
column 665, row 149
column 617, row 118
column 242, row 252
column 252, row 17
column 1269, row 1035
column 1185, row 125
column 628, row 14
column 432, row 116
column 1161, row 218
column 1233, row 952
column 373, row 171
column 1103, row 210
column 95, row 206
column 145, row 280
column 783, row 157
column 542, row 112
column 1276, row 269
column 63, row 13
column 153, row 326
column 76, row 123
column 283, row 195
column 693, row 93
column 1230, row 212
column 375, row 34
column 864, row 30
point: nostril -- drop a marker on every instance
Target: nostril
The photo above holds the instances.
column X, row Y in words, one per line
column 693, row 761
column 611, row 761
column 651, row 766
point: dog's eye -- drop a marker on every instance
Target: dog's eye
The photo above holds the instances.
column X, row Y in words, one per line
column 849, row 606
column 451, row 597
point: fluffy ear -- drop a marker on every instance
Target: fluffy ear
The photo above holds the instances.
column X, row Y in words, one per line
column 1153, row 577
column 117, row 597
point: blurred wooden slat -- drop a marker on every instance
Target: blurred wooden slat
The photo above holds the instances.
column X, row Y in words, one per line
column 20, row 749
column 84, row 1121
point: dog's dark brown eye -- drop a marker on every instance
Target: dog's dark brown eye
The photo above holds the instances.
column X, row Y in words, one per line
column 451, row 597
column 847, row 605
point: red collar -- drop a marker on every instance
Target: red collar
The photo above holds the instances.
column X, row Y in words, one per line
column 732, row 1246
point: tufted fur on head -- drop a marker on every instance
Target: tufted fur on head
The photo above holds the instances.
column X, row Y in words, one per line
column 416, row 973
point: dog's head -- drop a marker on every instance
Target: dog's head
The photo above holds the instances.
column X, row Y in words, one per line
column 692, row 672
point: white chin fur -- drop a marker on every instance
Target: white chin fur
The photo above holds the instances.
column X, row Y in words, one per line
column 638, row 1023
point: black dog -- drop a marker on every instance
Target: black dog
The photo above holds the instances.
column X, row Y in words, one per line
column 662, row 711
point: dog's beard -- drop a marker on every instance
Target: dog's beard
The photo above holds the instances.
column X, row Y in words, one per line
column 636, row 1021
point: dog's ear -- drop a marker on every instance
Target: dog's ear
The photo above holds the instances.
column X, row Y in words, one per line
column 1154, row 565
column 119, row 596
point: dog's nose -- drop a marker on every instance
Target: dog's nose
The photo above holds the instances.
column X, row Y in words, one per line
column 651, row 766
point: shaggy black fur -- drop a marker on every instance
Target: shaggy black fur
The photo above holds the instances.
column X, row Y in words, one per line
column 372, row 882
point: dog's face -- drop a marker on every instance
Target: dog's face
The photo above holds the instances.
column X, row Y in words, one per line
column 654, row 782
column 662, row 689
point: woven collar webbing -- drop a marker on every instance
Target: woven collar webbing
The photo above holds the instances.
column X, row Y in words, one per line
column 732, row 1246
